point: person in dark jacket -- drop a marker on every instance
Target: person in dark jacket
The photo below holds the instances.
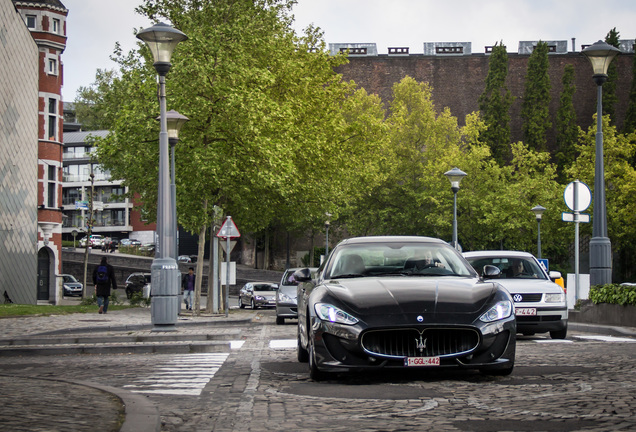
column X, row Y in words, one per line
column 104, row 279
column 187, row 283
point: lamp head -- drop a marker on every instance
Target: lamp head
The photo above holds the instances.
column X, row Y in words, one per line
column 175, row 121
column 600, row 55
column 455, row 176
column 538, row 211
column 162, row 40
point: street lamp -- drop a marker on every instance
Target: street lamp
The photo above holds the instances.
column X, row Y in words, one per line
column 162, row 40
column 538, row 213
column 327, row 223
column 175, row 122
column 600, row 55
column 455, row 176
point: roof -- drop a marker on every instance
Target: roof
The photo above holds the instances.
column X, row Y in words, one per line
column 81, row 136
column 53, row 4
column 498, row 253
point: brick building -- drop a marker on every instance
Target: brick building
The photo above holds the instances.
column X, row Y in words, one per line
column 46, row 22
column 457, row 76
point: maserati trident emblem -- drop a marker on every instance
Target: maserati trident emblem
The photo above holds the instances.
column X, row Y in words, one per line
column 420, row 344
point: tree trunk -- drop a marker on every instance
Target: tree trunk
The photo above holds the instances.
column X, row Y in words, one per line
column 199, row 270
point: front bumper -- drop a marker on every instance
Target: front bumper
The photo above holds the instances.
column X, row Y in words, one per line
column 547, row 319
column 338, row 348
column 286, row 310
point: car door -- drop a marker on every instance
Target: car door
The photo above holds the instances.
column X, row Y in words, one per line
column 305, row 285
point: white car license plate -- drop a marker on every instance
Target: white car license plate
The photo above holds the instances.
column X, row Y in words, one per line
column 525, row 311
column 421, row 361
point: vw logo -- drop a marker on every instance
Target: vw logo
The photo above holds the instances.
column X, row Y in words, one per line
column 517, row 298
column 420, row 318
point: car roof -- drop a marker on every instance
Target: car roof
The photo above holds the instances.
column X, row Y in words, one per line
column 498, row 253
column 386, row 239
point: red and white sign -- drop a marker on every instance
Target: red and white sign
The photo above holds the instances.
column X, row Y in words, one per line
column 228, row 229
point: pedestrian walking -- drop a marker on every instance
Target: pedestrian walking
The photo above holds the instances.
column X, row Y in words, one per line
column 187, row 283
column 104, row 279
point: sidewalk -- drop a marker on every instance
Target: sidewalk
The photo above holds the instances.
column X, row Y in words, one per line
column 71, row 405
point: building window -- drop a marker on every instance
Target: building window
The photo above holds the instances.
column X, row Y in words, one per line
column 52, row 66
column 56, row 26
column 52, row 118
column 52, row 187
column 30, row 21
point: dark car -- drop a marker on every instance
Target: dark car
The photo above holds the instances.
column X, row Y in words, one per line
column 72, row 287
column 136, row 283
column 400, row 303
column 258, row 294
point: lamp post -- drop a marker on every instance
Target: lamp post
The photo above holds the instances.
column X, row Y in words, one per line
column 327, row 223
column 455, row 176
column 600, row 55
column 174, row 123
column 538, row 213
column 162, row 40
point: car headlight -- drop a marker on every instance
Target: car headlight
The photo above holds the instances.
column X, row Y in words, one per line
column 327, row 312
column 285, row 298
column 554, row 298
column 503, row 309
column 259, row 298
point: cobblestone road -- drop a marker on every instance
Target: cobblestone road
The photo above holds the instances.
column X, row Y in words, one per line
column 581, row 384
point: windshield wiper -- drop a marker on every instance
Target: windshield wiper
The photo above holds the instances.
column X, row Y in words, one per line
column 347, row 276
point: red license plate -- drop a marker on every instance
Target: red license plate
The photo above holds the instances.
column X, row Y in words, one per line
column 526, row 311
column 421, row 361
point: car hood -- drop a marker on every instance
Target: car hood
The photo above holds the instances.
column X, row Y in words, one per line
column 267, row 294
column 443, row 300
column 73, row 284
column 289, row 290
column 529, row 286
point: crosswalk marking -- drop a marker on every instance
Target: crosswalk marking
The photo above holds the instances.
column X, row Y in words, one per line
column 283, row 344
column 179, row 374
column 606, row 338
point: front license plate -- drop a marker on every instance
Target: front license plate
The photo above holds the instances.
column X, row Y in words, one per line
column 525, row 311
column 421, row 361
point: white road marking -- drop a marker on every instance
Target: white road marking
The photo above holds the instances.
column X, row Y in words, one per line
column 283, row 344
column 606, row 338
column 182, row 374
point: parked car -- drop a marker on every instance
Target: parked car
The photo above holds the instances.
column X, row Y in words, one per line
column 129, row 242
column 540, row 304
column 95, row 240
column 184, row 259
column 136, row 282
column 286, row 296
column 71, row 286
column 376, row 303
column 258, row 294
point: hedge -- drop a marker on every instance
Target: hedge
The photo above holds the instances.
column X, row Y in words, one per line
column 613, row 294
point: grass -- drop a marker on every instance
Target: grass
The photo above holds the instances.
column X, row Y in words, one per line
column 17, row 310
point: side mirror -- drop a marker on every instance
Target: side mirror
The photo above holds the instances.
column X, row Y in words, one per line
column 554, row 275
column 302, row 275
column 491, row 272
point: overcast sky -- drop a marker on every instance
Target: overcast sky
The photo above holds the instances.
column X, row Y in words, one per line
column 94, row 26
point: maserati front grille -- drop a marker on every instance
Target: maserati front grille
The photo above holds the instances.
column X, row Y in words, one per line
column 411, row 342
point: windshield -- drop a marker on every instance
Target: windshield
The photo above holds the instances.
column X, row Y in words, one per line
column 397, row 258
column 511, row 267
column 69, row 278
column 265, row 287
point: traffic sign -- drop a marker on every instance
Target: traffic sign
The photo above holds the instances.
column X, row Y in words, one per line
column 577, row 196
column 575, row 217
column 228, row 229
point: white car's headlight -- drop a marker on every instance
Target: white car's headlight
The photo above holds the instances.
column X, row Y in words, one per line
column 555, row 298
column 327, row 312
column 503, row 309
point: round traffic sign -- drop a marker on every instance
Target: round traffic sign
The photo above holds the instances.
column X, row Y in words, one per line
column 577, row 196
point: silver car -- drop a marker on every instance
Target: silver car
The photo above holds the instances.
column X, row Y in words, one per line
column 258, row 294
column 540, row 304
column 286, row 296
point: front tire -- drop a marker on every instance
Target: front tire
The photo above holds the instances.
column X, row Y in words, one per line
column 559, row 334
column 280, row 320
column 314, row 373
column 252, row 304
column 128, row 293
column 241, row 305
column 301, row 353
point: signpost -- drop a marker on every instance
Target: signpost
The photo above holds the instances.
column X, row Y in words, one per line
column 228, row 232
column 577, row 197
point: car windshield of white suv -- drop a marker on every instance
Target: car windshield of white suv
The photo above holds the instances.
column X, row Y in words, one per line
column 511, row 267
column 394, row 258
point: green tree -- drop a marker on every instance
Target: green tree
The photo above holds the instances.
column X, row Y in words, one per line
column 567, row 131
column 536, row 99
column 629, row 125
column 494, row 104
column 609, row 87
column 89, row 104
